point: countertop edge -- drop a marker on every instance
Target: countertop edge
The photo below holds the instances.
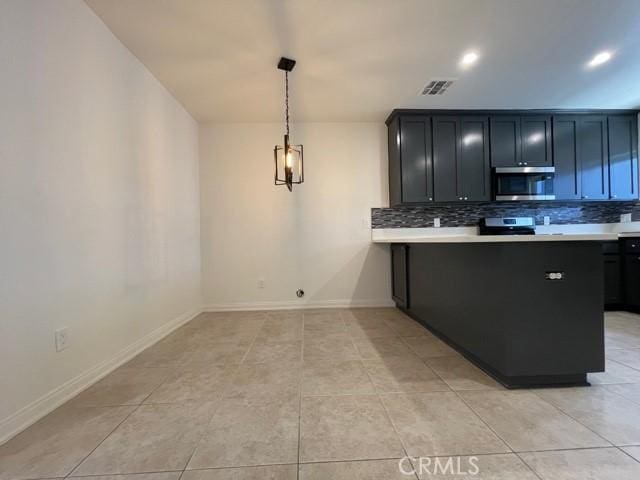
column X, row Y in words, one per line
column 583, row 237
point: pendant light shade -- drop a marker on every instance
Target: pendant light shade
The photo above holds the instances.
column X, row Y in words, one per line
column 288, row 158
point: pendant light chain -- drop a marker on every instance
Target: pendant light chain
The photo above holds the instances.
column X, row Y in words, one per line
column 286, row 96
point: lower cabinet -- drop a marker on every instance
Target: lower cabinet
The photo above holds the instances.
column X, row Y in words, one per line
column 632, row 273
column 399, row 275
column 612, row 275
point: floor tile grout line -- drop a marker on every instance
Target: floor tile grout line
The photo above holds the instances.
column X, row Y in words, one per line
column 93, row 475
column 528, row 466
column 477, row 415
column 102, row 441
column 219, row 400
column 622, row 363
column 497, row 435
column 300, row 398
column 573, row 418
column 384, row 407
column 362, row 460
column 628, row 454
column 222, row 397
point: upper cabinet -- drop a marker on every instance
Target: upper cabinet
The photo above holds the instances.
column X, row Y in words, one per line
column 595, row 157
column 521, row 141
column 623, row 157
column 566, row 181
column 447, row 156
column 592, row 154
column 474, row 169
column 410, row 160
column 461, row 170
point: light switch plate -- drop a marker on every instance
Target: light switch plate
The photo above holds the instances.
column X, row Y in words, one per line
column 625, row 218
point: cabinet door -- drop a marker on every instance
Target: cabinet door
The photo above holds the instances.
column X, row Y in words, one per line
column 623, row 157
column 566, row 182
column 399, row 287
column 612, row 280
column 415, row 159
column 446, row 133
column 632, row 280
column 535, row 133
column 474, row 171
column 505, row 141
column 395, row 172
column 593, row 155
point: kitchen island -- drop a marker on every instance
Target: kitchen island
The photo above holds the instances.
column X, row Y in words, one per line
column 526, row 309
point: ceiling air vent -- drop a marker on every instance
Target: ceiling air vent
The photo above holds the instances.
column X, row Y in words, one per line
column 437, row 86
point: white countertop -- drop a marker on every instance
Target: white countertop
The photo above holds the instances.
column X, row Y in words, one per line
column 544, row 233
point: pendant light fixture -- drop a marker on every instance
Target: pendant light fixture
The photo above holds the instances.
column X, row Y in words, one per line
column 288, row 157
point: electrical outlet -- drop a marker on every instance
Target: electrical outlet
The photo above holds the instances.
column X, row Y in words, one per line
column 261, row 283
column 62, row 339
column 625, row 218
column 436, row 222
column 546, row 220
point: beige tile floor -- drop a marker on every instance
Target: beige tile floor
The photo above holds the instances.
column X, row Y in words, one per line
column 331, row 394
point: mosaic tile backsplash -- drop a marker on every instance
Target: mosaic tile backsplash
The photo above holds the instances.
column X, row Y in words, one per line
column 468, row 215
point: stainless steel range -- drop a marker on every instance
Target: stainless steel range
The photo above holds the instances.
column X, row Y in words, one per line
column 508, row 226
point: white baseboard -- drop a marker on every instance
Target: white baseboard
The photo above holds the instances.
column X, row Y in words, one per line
column 297, row 304
column 33, row 412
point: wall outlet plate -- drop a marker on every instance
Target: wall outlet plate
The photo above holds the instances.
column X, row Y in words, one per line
column 62, row 339
column 546, row 220
column 625, row 218
column 436, row 222
column 261, row 283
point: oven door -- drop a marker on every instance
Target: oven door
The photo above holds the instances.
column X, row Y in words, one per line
column 523, row 183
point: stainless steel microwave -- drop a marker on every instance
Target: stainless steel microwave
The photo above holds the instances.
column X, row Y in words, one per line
column 523, row 183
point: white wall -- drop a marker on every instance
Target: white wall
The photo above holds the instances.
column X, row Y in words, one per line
column 99, row 202
column 316, row 238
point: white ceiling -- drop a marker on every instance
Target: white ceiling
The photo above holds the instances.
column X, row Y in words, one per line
column 359, row 59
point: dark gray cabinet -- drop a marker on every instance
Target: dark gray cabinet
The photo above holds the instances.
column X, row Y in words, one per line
column 632, row 273
column 505, row 141
column 446, row 153
column 580, row 152
column 536, row 140
column 399, row 272
column 461, row 170
column 593, row 155
column 523, row 140
column 474, row 168
column 410, row 160
column 566, row 182
column 632, row 281
column 446, row 156
column 623, row 157
column 612, row 275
